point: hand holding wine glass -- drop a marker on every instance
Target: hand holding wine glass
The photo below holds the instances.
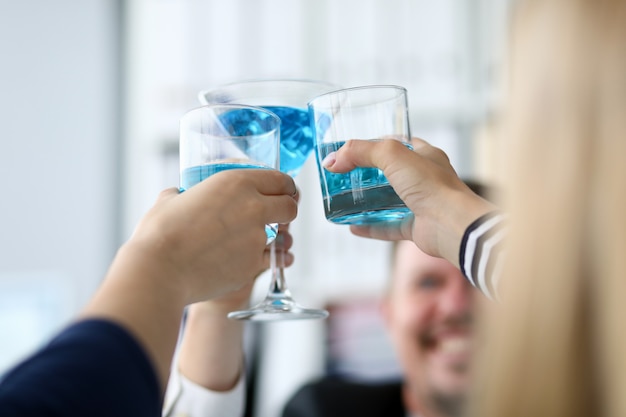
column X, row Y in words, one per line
column 288, row 100
column 224, row 137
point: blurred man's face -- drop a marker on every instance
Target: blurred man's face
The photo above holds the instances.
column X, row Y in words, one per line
column 428, row 314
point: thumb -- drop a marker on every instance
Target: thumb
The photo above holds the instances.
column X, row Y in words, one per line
column 365, row 153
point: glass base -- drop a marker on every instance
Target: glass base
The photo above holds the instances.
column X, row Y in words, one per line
column 371, row 216
column 278, row 308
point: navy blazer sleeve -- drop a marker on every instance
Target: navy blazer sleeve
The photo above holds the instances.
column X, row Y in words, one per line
column 92, row 368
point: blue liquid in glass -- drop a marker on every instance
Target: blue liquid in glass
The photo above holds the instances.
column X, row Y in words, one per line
column 192, row 176
column 296, row 137
column 245, row 122
column 361, row 196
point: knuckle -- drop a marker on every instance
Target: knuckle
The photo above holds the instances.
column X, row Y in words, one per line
column 287, row 182
column 254, row 206
column 391, row 145
column 238, row 181
column 167, row 193
column 439, row 154
column 350, row 145
column 292, row 209
column 389, row 152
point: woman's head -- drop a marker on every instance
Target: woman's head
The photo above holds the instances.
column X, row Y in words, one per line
column 557, row 344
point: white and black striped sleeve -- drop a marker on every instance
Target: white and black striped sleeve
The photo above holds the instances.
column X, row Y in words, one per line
column 481, row 253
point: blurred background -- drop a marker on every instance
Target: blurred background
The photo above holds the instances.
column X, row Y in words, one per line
column 90, row 96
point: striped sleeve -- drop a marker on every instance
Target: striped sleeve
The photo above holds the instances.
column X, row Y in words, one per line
column 481, row 255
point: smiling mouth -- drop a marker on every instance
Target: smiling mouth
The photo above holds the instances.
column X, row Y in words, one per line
column 455, row 345
column 449, row 345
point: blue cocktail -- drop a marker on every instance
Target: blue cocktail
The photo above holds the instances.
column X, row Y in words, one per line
column 288, row 100
column 224, row 137
column 363, row 195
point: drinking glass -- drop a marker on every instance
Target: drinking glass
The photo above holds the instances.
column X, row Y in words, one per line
column 222, row 137
column 363, row 195
column 288, row 99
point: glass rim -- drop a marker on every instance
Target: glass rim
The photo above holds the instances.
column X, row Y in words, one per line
column 391, row 87
column 259, row 81
column 234, row 106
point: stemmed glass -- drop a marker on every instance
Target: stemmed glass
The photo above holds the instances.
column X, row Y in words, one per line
column 287, row 98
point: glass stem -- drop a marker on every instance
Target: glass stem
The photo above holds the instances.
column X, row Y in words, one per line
column 278, row 287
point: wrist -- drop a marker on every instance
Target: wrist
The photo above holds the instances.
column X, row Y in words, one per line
column 215, row 309
column 464, row 207
column 211, row 352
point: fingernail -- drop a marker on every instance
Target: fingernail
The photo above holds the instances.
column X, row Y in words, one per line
column 329, row 160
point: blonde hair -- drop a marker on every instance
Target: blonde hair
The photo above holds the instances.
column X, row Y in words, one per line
column 557, row 344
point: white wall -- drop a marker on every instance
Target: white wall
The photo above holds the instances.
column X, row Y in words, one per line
column 59, row 143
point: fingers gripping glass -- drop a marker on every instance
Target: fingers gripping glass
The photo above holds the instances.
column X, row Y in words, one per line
column 288, row 99
column 363, row 195
column 225, row 137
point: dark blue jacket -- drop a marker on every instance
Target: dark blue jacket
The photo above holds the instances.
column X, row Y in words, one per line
column 93, row 368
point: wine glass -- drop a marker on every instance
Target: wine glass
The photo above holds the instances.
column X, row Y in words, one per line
column 288, row 99
column 222, row 137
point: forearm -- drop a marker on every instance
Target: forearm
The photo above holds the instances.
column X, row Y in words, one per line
column 142, row 297
column 462, row 209
column 211, row 352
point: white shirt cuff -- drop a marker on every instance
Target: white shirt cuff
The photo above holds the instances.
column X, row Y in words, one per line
column 185, row 398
